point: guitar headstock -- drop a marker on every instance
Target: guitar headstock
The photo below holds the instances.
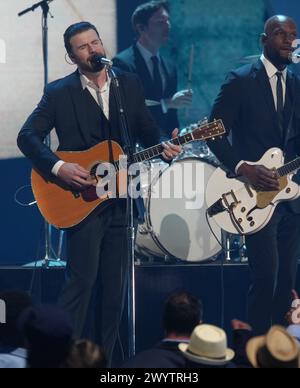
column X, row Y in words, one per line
column 211, row 130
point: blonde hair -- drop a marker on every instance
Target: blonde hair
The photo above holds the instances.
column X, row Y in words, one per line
column 85, row 354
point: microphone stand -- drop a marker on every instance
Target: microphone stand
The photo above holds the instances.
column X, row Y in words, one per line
column 44, row 5
column 129, row 214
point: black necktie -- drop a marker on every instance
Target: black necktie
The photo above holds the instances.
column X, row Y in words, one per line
column 280, row 104
column 157, row 80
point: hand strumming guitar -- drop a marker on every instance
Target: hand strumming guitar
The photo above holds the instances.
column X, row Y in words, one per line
column 260, row 177
column 74, row 176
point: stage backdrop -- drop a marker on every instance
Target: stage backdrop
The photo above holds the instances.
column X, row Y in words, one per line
column 223, row 32
column 21, row 63
column 21, row 80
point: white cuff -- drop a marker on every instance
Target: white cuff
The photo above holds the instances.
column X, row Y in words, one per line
column 164, row 106
column 56, row 167
column 238, row 166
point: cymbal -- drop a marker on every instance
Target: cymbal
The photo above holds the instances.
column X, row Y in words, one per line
column 250, row 59
column 152, row 103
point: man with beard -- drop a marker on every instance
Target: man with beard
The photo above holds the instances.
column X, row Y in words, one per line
column 82, row 109
column 259, row 105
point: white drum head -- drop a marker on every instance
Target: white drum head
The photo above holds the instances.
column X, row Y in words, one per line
column 177, row 211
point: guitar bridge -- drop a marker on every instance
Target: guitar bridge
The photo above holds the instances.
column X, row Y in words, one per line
column 228, row 203
column 231, row 205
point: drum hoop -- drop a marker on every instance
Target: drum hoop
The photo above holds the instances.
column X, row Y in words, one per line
column 148, row 202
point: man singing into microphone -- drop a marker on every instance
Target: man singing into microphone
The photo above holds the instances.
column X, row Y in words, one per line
column 82, row 109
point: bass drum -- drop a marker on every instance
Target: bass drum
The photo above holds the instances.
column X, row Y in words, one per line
column 176, row 225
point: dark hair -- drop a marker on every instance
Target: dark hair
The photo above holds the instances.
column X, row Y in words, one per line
column 145, row 11
column 15, row 302
column 182, row 313
column 75, row 29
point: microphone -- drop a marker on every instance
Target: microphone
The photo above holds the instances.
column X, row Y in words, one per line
column 101, row 61
column 294, row 58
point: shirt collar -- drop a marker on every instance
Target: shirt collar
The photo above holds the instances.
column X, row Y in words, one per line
column 146, row 54
column 85, row 82
column 271, row 69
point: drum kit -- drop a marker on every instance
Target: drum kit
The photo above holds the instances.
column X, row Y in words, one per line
column 176, row 229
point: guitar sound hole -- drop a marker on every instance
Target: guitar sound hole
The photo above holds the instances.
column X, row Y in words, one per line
column 94, row 174
column 90, row 194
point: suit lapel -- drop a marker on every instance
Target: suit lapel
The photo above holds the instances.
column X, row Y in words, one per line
column 289, row 105
column 141, row 66
column 77, row 95
column 266, row 90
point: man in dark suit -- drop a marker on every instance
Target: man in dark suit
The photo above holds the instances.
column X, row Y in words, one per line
column 182, row 313
column 259, row 105
column 151, row 24
column 82, row 109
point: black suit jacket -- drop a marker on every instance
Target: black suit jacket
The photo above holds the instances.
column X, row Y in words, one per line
column 246, row 106
column 63, row 107
column 165, row 354
column 132, row 61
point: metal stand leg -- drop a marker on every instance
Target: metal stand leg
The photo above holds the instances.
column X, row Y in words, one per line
column 243, row 250
column 227, row 247
column 49, row 254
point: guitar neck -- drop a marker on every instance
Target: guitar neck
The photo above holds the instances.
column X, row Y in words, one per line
column 289, row 168
column 158, row 150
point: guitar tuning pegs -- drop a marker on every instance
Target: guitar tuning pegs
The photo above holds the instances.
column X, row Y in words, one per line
column 204, row 121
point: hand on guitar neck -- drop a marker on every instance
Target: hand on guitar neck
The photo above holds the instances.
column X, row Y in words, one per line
column 171, row 151
column 77, row 178
column 260, row 177
column 74, row 176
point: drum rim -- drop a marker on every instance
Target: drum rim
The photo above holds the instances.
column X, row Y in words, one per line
column 148, row 214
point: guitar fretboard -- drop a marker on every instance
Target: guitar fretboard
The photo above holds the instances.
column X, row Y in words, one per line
column 157, row 150
column 289, row 168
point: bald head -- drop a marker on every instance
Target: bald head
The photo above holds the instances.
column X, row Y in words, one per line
column 278, row 37
column 276, row 21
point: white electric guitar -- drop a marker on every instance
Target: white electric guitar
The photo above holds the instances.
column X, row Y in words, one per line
column 238, row 207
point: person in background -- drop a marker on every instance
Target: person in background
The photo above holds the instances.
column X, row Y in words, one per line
column 182, row 313
column 151, row 24
column 48, row 333
column 85, row 354
column 13, row 353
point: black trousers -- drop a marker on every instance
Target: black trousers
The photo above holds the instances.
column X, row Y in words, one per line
column 97, row 265
column 273, row 254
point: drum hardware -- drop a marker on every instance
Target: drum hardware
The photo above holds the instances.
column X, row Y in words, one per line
column 235, row 250
column 243, row 250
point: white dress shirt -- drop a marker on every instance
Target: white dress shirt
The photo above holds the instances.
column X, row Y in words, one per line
column 147, row 55
column 271, row 71
column 94, row 90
